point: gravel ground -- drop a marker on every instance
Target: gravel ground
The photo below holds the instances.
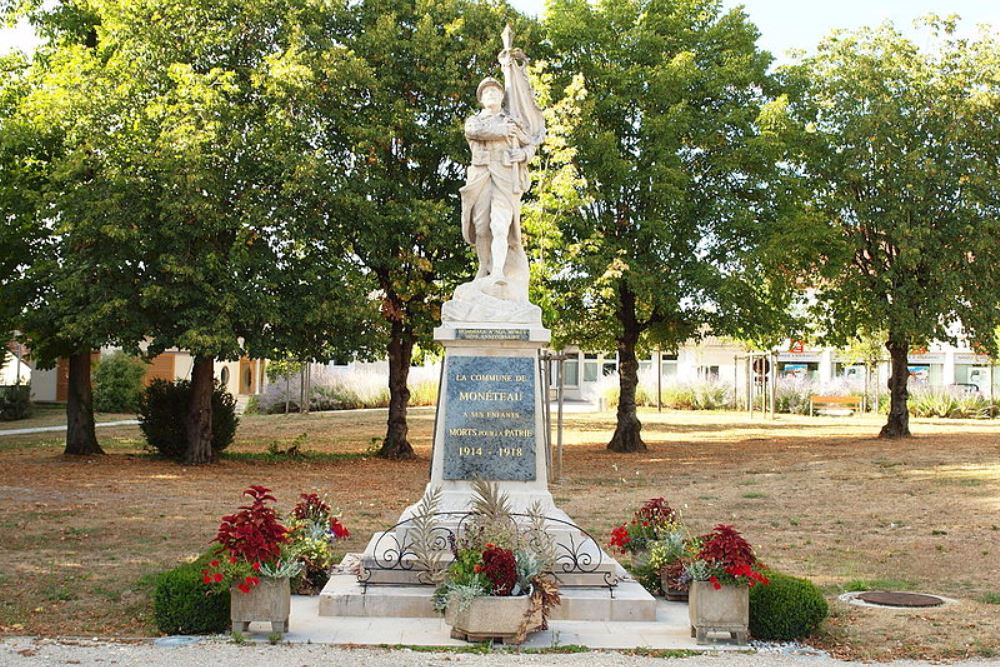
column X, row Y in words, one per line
column 28, row 652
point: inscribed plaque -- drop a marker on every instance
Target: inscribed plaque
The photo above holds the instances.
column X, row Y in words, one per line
column 489, row 418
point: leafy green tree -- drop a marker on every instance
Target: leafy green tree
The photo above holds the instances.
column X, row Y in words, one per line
column 901, row 146
column 424, row 61
column 681, row 225
column 185, row 159
column 73, row 273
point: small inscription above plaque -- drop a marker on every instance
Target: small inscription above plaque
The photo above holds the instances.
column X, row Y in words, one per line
column 491, row 334
column 489, row 418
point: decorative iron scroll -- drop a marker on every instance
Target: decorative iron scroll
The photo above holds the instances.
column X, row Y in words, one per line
column 581, row 555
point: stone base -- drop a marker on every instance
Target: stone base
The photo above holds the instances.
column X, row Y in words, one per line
column 344, row 596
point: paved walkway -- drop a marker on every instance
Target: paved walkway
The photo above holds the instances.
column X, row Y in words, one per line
column 568, row 408
column 28, row 652
column 56, row 429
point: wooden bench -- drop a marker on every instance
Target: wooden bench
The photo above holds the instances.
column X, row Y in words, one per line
column 852, row 403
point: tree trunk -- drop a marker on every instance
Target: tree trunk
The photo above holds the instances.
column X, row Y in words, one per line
column 898, row 424
column 80, row 436
column 627, row 436
column 395, row 445
column 199, row 415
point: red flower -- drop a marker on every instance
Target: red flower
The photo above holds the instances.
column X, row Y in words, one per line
column 214, row 563
column 218, row 577
column 248, row 579
column 255, row 581
column 339, row 530
column 232, row 560
column 714, row 580
column 244, row 588
column 207, row 580
column 620, row 537
column 256, row 566
column 477, row 568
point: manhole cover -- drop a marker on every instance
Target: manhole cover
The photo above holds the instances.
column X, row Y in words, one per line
column 894, row 599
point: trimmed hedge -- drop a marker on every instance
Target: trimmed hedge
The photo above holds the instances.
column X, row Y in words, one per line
column 118, row 383
column 788, row 608
column 15, row 402
column 163, row 412
column 183, row 605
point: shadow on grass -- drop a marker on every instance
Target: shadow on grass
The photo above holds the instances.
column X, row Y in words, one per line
column 281, row 457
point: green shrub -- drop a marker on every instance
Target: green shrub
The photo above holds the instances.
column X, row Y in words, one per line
column 788, row 608
column 15, row 402
column 118, row 383
column 163, row 413
column 182, row 604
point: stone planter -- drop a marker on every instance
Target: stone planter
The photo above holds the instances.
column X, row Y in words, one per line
column 723, row 610
column 491, row 617
column 270, row 601
column 671, row 591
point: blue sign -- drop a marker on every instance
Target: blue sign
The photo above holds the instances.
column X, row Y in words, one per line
column 489, row 418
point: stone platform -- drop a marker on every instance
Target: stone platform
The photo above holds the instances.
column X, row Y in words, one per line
column 344, row 596
column 668, row 630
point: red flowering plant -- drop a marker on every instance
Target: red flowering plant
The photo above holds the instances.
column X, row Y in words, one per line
column 726, row 559
column 252, row 544
column 313, row 528
column 655, row 520
column 492, row 555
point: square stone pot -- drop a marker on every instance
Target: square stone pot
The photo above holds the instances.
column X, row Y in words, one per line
column 491, row 617
column 270, row 601
column 723, row 610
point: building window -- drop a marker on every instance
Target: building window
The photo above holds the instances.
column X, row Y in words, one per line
column 571, row 372
column 589, row 367
column 609, row 365
column 668, row 367
column 806, row 370
column 708, row 373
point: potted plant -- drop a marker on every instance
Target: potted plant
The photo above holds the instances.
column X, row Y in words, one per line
column 497, row 585
column 668, row 558
column 649, row 524
column 313, row 528
column 256, row 562
column 722, row 574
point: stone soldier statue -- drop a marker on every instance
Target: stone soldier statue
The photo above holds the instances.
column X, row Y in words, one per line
column 503, row 137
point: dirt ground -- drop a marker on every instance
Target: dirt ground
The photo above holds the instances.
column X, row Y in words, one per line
column 80, row 540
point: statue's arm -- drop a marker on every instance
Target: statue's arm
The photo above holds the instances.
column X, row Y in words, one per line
column 481, row 129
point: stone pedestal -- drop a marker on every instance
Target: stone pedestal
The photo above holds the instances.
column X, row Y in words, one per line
column 490, row 425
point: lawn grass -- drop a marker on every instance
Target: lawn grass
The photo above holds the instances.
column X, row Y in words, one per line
column 821, row 498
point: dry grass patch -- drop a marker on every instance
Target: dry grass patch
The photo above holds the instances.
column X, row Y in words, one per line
column 821, row 498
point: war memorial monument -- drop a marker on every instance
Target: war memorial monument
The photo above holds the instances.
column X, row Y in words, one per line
column 490, row 423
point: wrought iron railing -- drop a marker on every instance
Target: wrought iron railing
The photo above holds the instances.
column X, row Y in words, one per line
column 396, row 550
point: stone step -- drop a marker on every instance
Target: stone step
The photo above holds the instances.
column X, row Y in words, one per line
column 344, row 596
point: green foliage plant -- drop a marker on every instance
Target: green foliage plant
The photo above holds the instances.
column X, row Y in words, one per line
column 161, row 417
column 313, row 529
column 788, row 608
column 118, row 383
column 183, row 605
column 15, row 402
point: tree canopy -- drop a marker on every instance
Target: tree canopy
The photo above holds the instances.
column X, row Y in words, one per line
column 900, row 147
column 680, row 223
